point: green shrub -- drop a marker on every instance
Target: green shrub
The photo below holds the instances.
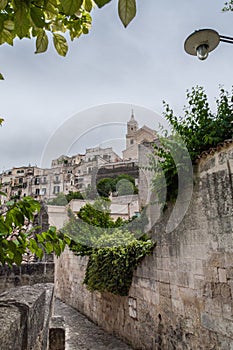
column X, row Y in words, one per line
column 197, row 131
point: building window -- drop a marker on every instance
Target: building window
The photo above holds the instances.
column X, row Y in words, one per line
column 56, row 189
column 44, row 179
column 43, row 191
column 37, row 181
column 131, row 142
column 37, row 191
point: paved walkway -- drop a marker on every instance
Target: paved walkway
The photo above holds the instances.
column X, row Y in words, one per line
column 82, row 334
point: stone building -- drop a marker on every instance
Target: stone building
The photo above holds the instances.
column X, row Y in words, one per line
column 66, row 174
column 76, row 173
column 136, row 136
column 94, row 158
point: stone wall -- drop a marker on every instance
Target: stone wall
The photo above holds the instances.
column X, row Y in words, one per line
column 181, row 296
column 24, row 317
column 26, row 274
column 57, row 215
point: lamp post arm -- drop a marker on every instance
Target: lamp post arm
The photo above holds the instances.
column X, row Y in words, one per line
column 226, row 39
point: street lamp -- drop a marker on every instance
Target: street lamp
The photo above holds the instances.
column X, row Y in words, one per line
column 203, row 41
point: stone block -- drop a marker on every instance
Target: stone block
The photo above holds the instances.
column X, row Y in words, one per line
column 11, row 335
column 163, row 276
column 227, row 310
column 225, row 291
column 57, row 333
column 213, row 307
column 165, row 290
column 29, row 301
column 230, row 273
column 178, row 306
column 222, row 275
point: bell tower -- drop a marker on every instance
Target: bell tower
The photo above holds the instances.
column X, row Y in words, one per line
column 132, row 128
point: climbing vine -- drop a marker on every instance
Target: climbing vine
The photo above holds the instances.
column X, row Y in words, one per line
column 114, row 252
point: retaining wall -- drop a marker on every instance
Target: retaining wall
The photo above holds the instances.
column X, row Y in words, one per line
column 181, row 296
column 24, row 317
column 26, row 274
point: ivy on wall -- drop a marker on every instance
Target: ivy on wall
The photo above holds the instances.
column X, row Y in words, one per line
column 114, row 252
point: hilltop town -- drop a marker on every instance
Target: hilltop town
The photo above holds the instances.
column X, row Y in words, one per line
column 79, row 172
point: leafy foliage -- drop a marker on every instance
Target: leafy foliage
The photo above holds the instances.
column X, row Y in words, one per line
column 111, row 265
column 27, row 19
column 123, row 184
column 88, row 226
column 73, row 195
column 15, row 240
column 197, row 131
column 37, row 18
column 228, row 6
column 200, row 129
column 63, row 199
column 114, row 252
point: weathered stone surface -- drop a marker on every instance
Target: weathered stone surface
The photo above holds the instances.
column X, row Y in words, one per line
column 57, row 333
column 24, row 317
column 183, row 292
column 82, row 334
column 26, row 274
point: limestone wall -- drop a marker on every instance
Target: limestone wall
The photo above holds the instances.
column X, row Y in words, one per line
column 181, row 296
column 26, row 274
column 24, row 317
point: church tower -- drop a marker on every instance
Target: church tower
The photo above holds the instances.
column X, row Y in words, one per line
column 132, row 128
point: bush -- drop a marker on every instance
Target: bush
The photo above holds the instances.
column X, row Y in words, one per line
column 114, row 252
column 197, row 131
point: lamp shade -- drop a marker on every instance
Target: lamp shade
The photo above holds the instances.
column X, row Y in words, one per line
column 200, row 38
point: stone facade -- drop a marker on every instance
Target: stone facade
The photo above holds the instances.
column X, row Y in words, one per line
column 24, row 316
column 135, row 137
column 67, row 174
column 182, row 295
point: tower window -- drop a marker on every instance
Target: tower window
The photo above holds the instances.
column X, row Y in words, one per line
column 131, row 142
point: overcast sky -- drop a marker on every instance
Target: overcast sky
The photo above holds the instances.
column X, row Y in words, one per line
column 46, row 98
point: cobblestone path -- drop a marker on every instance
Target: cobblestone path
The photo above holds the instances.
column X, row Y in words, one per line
column 82, row 334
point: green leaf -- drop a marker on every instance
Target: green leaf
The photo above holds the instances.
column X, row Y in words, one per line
column 3, row 4
column 22, row 23
column 127, row 11
column 101, row 3
column 60, row 44
column 6, row 37
column 88, row 5
column 71, row 6
column 40, row 238
column 9, row 25
column 37, row 16
column 41, row 42
column 1, row 78
column 49, row 247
